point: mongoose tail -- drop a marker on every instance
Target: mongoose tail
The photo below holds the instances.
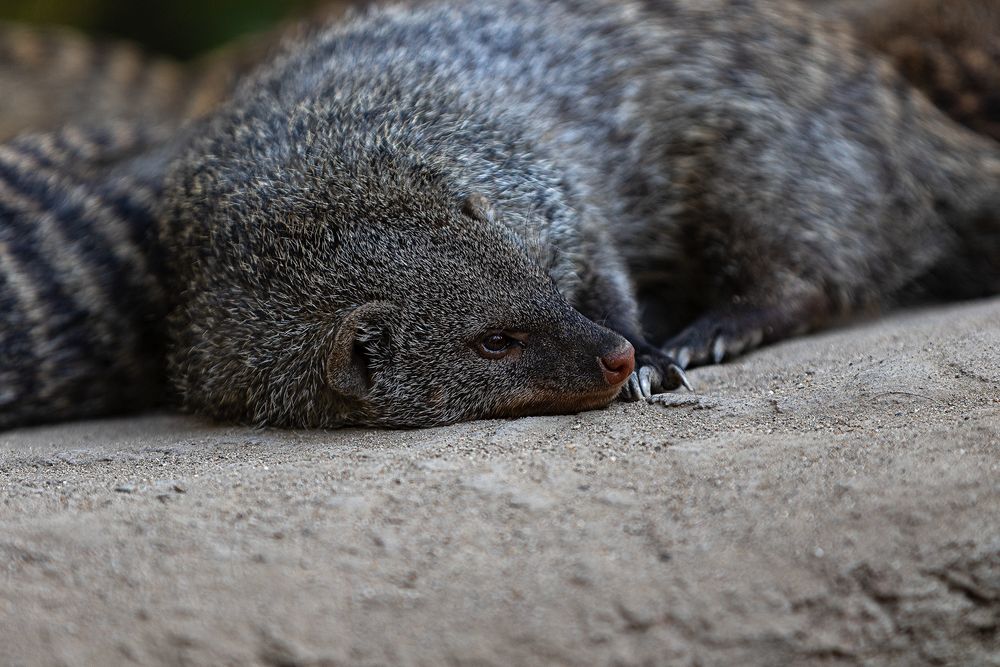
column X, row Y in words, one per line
column 80, row 305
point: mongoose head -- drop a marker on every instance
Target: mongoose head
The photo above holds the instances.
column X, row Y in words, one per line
column 364, row 287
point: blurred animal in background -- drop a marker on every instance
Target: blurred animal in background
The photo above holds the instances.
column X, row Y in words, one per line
column 53, row 77
column 81, row 303
column 457, row 210
column 87, row 127
column 949, row 49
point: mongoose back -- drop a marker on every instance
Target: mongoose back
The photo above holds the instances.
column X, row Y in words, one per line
column 452, row 211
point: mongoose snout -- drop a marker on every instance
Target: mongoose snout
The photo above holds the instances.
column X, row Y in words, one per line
column 618, row 365
column 568, row 364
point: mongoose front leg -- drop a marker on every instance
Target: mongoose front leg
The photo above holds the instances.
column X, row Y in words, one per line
column 608, row 299
column 796, row 224
column 657, row 373
column 727, row 332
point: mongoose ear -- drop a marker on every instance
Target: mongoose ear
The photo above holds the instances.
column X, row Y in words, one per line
column 479, row 207
column 360, row 339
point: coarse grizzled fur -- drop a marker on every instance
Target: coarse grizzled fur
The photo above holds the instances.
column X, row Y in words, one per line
column 345, row 235
column 81, row 303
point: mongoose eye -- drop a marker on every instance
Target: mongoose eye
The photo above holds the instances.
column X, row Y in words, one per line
column 496, row 345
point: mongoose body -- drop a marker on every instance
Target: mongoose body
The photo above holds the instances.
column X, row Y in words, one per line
column 451, row 211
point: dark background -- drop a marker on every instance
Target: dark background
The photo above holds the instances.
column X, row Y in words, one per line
column 182, row 28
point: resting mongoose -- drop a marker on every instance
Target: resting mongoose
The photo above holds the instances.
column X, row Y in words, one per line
column 431, row 232
column 459, row 210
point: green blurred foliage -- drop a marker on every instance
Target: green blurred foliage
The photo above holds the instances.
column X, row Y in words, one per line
column 180, row 27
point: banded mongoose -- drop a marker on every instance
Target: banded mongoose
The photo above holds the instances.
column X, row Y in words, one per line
column 455, row 210
column 81, row 300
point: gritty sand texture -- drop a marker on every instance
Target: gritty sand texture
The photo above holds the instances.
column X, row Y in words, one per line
column 834, row 500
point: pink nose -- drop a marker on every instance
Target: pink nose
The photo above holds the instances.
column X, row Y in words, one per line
column 618, row 365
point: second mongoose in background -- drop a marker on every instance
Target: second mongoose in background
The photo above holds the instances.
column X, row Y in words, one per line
column 81, row 297
column 461, row 210
column 949, row 49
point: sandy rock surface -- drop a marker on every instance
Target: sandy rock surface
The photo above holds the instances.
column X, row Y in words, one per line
column 833, row 500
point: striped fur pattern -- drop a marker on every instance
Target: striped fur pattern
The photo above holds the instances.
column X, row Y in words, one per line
column 80, row 309
column 84, row 131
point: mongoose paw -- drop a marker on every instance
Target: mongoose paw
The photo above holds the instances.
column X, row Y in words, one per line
column 657, row 373
column 713, row 339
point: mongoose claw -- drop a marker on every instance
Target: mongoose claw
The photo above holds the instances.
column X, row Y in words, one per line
column 657, row 373
column 677, row 374
column 719, row 349
column 641, row 385
column 681, row 356
column 632, row 389
column 648, row 378
column 722, row 336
